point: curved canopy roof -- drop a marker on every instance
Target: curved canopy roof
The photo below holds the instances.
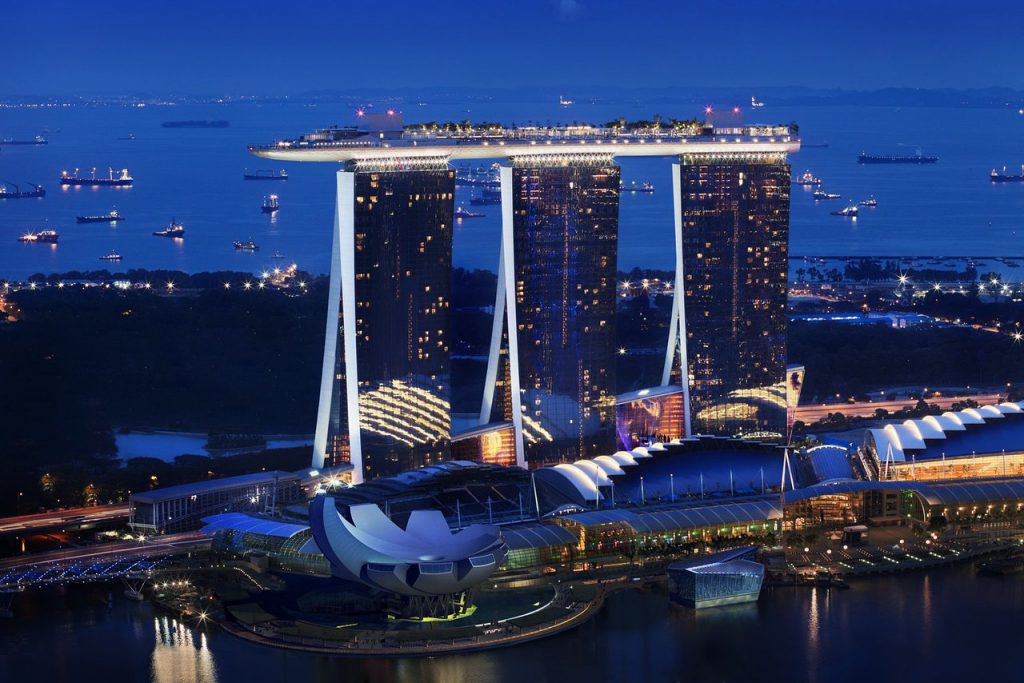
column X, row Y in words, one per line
column 667, row 520
column 580, row 479
column 250, row 524
column 519, row 537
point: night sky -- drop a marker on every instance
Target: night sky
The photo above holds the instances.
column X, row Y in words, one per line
column 73, row 47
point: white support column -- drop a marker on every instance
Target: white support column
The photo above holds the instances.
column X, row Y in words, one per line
column 347, row 235
column 494, row 356
column 323, row 415
column 509, row 272
column 677, row 323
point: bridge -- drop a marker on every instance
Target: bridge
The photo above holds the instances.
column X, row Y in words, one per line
column 129, row 560
column 57, row 520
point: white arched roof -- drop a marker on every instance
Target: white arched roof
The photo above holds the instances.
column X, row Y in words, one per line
column 1010, row 408
column 971, row 416
column 657, row 447
column 594, row 471
column 949, row 422
column 905, row 436
column 609, row 465
column 579, row 479
column 928, row 429
column 625, row 459
column 990, row 412
column 641, row 452
column 884, row 440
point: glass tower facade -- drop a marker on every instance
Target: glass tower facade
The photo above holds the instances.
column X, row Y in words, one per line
column 565, row 244
column 401, row 274
column 735, row 244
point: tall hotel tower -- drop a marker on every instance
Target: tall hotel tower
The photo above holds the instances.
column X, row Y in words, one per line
column 729, row 323
column 554, row 376
column 385, row 393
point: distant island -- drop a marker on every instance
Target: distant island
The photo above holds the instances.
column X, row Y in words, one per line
column 196, row 124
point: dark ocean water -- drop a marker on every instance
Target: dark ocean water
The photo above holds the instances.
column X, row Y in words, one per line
column 947, row 625
column 195, row 175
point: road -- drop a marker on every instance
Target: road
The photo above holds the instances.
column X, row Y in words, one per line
column 153, row 546
column 62, row 519
column 813, row 413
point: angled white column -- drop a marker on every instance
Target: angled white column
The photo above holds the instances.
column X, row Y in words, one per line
column 494, row 356
column 677, row 323
column 346, row 232
column 323, row 415
column 508, row 271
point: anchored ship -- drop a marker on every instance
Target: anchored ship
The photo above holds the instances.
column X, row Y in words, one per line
column 917, row 158
column 270, row 203
column 869, row 202
column 821, row 194
column 248, row 245
column 112, row 217
column 42, row 237
column 37, row 140
column 173, row 229
column 809, row 179
column 646, row 186
column 487, row 197
column 265, row 175
column 461, row 213
column 123, row 180
column 112, row 256
column 17, row 193
column 850, row 211
column 1005, row 177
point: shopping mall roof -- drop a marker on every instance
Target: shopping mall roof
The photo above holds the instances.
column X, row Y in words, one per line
column 521, row 536
column 973, row 430
column 212, row 485
column 667, row 519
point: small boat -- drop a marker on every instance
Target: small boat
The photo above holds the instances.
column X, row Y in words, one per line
column 755, row 103
column 461, row 213
column 112, row 256
column 1005, row 177
column 821, row 194
column 850, row 211
column 270, row 203
column 808, row 179
column 173, row 229
column 870, row 202
column 265, row 175
column 130, row 136
column 247, row 245
column 112, row 217
column 565, row 101
column 123, row 180
column 278, row 255
column 42, row 237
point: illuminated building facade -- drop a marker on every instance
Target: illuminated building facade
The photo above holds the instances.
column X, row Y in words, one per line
column 649, row 415
column 557, row 289
column 386, row 389
column 494, row 444
column 729, row 323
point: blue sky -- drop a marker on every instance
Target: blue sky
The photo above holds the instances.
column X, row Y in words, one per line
column 291, row 47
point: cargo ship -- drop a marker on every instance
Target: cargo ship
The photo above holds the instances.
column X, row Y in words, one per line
column 917, row 158
column 265, row 175
column 461, row 213
column 42, row 237
column 112, row 256
column 1005, row 177
column 488, row 197
column 270, row 203
column 123, row 180
column 248, row 245
column 112, row 217
column 808, row 179
column 17, row 193
column 173, row 229
column 870, row 202
column 646, row 186
column 37, row 140
column 199, row 123
column 821, row 194
column 850, row 211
